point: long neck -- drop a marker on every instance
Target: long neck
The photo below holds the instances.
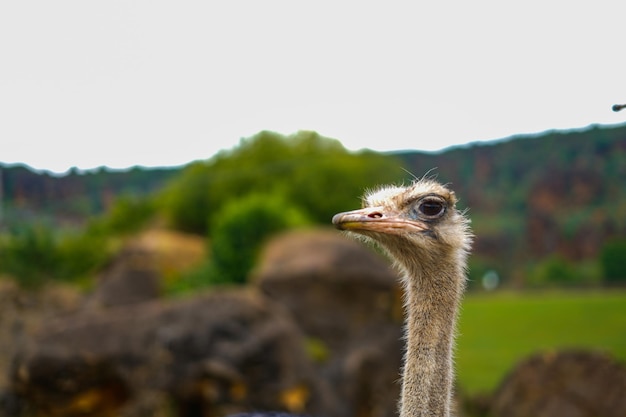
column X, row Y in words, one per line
column 432, row 299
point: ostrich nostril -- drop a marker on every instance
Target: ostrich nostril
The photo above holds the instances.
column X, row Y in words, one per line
column 375, row 215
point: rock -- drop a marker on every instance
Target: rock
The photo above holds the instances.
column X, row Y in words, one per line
column 129, row 278
column 136, row 272
column 21, row 315
column 573, row 383
column 335, row 288
column 347, row 300
column 215, row 354
column 174, row 252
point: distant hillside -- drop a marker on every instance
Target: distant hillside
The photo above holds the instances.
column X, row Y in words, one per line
column 529, row 196
column 28, row 195
column 532, row 196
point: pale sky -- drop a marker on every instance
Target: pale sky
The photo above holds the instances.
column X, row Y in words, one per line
column 155, row 83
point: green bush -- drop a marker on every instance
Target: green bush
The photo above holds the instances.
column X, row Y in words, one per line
column 555, row 271
column 241, row 228
column 129, row 214
column 80, row 255
column 613, row 261
column 186, row 199
column 34, row 255
column 29, row 254
column 558, row 271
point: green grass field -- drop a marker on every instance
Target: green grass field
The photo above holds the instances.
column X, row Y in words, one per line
column 497, row 330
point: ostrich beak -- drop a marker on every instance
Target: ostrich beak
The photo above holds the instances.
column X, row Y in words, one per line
column 375, row 219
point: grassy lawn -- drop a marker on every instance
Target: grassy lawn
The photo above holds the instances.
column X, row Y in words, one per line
column 497, row 330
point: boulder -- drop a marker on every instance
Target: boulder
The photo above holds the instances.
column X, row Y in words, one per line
column 572, row 383
column 214, row 354
column 129, row 278
column 22, row 312
column 136, row 273
column 348, row 302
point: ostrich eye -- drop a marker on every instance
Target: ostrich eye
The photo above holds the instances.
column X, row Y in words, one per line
column 431, row 208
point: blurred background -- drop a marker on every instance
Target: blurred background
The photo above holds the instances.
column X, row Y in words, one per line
column 168, row 173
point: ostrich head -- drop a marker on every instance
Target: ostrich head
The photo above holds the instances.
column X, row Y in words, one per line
column 418, row 225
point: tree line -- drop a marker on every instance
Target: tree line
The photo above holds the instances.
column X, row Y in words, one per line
column 547, row 210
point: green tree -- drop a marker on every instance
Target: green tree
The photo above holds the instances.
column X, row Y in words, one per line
column 613, row 261
column 313, row 172
column 186, row 199
column 242, row 227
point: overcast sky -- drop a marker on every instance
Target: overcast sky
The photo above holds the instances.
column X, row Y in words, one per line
column 154, row 83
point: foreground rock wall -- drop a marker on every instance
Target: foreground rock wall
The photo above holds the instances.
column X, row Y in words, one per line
column 318, row 331
column 219, row 353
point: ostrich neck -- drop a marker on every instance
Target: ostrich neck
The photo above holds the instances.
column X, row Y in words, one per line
column 433, row 297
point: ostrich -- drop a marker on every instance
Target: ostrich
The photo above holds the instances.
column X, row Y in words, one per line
column 429, row 239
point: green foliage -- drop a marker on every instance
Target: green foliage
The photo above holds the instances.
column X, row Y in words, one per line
column 186, row 200
column 613, row 261
column 567, row 186
column 217, row 198
column 326, row 185
column 29, row 255
column 242, row 227
column 312, row 172
column 555, row 271
column 34, row 255
column 128, row 214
